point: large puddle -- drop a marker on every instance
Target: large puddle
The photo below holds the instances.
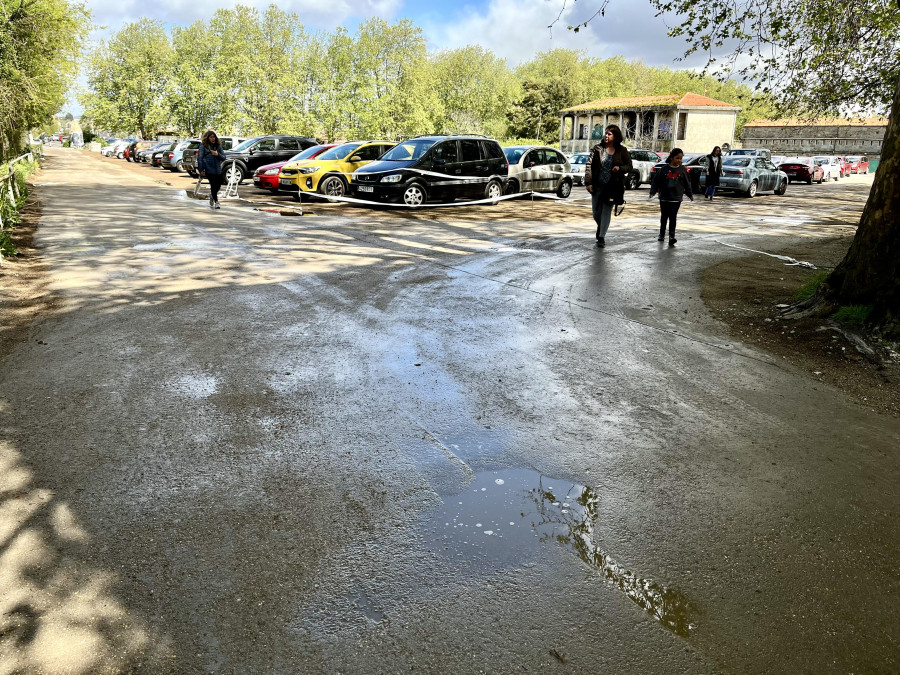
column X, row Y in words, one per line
column 507, row 516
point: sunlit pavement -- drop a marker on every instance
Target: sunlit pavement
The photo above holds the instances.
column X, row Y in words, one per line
column 450, row 440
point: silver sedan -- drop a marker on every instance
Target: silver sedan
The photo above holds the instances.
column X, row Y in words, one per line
column 750, row 175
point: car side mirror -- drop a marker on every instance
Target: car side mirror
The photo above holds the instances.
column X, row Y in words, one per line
column 530, row 164
column 251, row 151
column 439, row 161
column 356, row 158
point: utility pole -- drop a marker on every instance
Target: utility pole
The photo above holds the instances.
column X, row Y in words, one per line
column 540, row 117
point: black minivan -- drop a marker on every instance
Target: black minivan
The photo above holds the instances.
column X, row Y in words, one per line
column 434, row 167
column 252, row 154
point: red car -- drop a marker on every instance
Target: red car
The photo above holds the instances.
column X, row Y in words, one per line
column 858, row 164
column 802, row 169
column 266, row 177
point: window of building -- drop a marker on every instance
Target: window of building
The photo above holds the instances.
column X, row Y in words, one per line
column 682, row 127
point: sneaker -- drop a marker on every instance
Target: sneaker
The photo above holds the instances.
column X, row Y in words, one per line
column 216, row 205
column 601, row 243
column 672, row 242
column 661, row 238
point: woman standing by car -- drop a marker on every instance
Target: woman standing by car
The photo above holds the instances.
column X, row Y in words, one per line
column 209, row 164
column 713, row 171
column 604, row 176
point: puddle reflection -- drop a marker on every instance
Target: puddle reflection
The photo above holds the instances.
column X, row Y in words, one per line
column 507, row 516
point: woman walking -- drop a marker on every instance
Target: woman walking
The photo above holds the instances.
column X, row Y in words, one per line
column 209, row 164
column 672, row 183
column 713, row 171
column 607, row 167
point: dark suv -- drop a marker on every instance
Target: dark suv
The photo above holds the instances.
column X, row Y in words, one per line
column 250, row 155
column 434, row 167
column 189, row 156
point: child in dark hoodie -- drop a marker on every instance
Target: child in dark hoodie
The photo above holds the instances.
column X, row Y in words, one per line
column 672, row 183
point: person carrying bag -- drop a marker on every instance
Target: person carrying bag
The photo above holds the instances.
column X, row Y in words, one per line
column 607, row 168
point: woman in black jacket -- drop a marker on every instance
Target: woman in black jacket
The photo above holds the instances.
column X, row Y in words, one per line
column 607, row 167
column 713, row 171
column 209, row 164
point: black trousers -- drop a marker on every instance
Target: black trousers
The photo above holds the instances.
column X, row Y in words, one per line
column 668, row 214
column 215, row 182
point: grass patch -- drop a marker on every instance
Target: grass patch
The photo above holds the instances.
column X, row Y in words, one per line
column 807, row 290
column 853, row 315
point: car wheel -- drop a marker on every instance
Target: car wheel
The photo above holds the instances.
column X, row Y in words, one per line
column 333, row 186
column 231, row 171
column 634, row 180
column 512, row 187
column 120, row 156
column 751, row 191
column 781, row 189
column 809, row 182
column 179, row 167
column 564, row 189
column 414, row 195
column 836, row 179
column 493, row 190
column 866, row 171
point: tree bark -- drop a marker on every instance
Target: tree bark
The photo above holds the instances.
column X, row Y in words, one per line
column 870, row 272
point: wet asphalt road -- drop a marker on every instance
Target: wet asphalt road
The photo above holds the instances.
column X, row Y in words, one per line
column 454, row 441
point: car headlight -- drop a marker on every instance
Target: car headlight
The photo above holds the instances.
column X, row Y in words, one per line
column 393, row 178
column 272, row 172
column 310, row 169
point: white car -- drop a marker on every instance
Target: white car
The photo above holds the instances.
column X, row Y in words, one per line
column 578, row 162
column 642, row 162
column 830, row 165
column 538, row 169
column 116, row 149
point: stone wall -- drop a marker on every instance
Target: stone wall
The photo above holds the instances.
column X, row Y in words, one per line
column 837, row 139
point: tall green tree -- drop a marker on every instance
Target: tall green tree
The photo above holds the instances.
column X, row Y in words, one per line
column 193, row 97
column 475, row 88
column 392, row 94
column 253, row 64
column 128, row 78
column 40, row 44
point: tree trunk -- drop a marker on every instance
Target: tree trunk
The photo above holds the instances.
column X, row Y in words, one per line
column 870, row 272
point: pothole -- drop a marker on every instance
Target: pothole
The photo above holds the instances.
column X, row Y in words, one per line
column 507, row 516
column 280, row 212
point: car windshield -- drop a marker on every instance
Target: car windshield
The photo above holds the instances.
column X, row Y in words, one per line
column 743, row 153
column 579, row 159
column 246, row 144
column 822, row 160
column 339, row 152
column 736, row 161
column 408, row 150
column 853, row 159
column 183, row 145
column 306, row 154
column 513, row 155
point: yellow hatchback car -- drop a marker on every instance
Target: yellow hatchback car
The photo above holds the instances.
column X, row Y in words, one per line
column 329, row 173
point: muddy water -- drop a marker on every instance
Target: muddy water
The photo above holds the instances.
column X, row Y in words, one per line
column 507, row 517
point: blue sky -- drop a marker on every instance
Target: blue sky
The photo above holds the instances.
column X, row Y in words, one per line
column 513, row 29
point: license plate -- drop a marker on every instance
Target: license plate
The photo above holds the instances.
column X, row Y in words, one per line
column 285, row 181
column 792, row 175
column 366, row 188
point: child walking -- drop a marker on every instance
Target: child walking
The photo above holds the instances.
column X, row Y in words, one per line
column 672, row 183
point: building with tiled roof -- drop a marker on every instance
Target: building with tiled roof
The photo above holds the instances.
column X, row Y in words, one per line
column 693, row 122
column 825, row 136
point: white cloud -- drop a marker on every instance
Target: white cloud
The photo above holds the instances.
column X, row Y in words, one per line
column 518, row 29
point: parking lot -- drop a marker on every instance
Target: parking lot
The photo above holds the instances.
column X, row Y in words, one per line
column 353, row 439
